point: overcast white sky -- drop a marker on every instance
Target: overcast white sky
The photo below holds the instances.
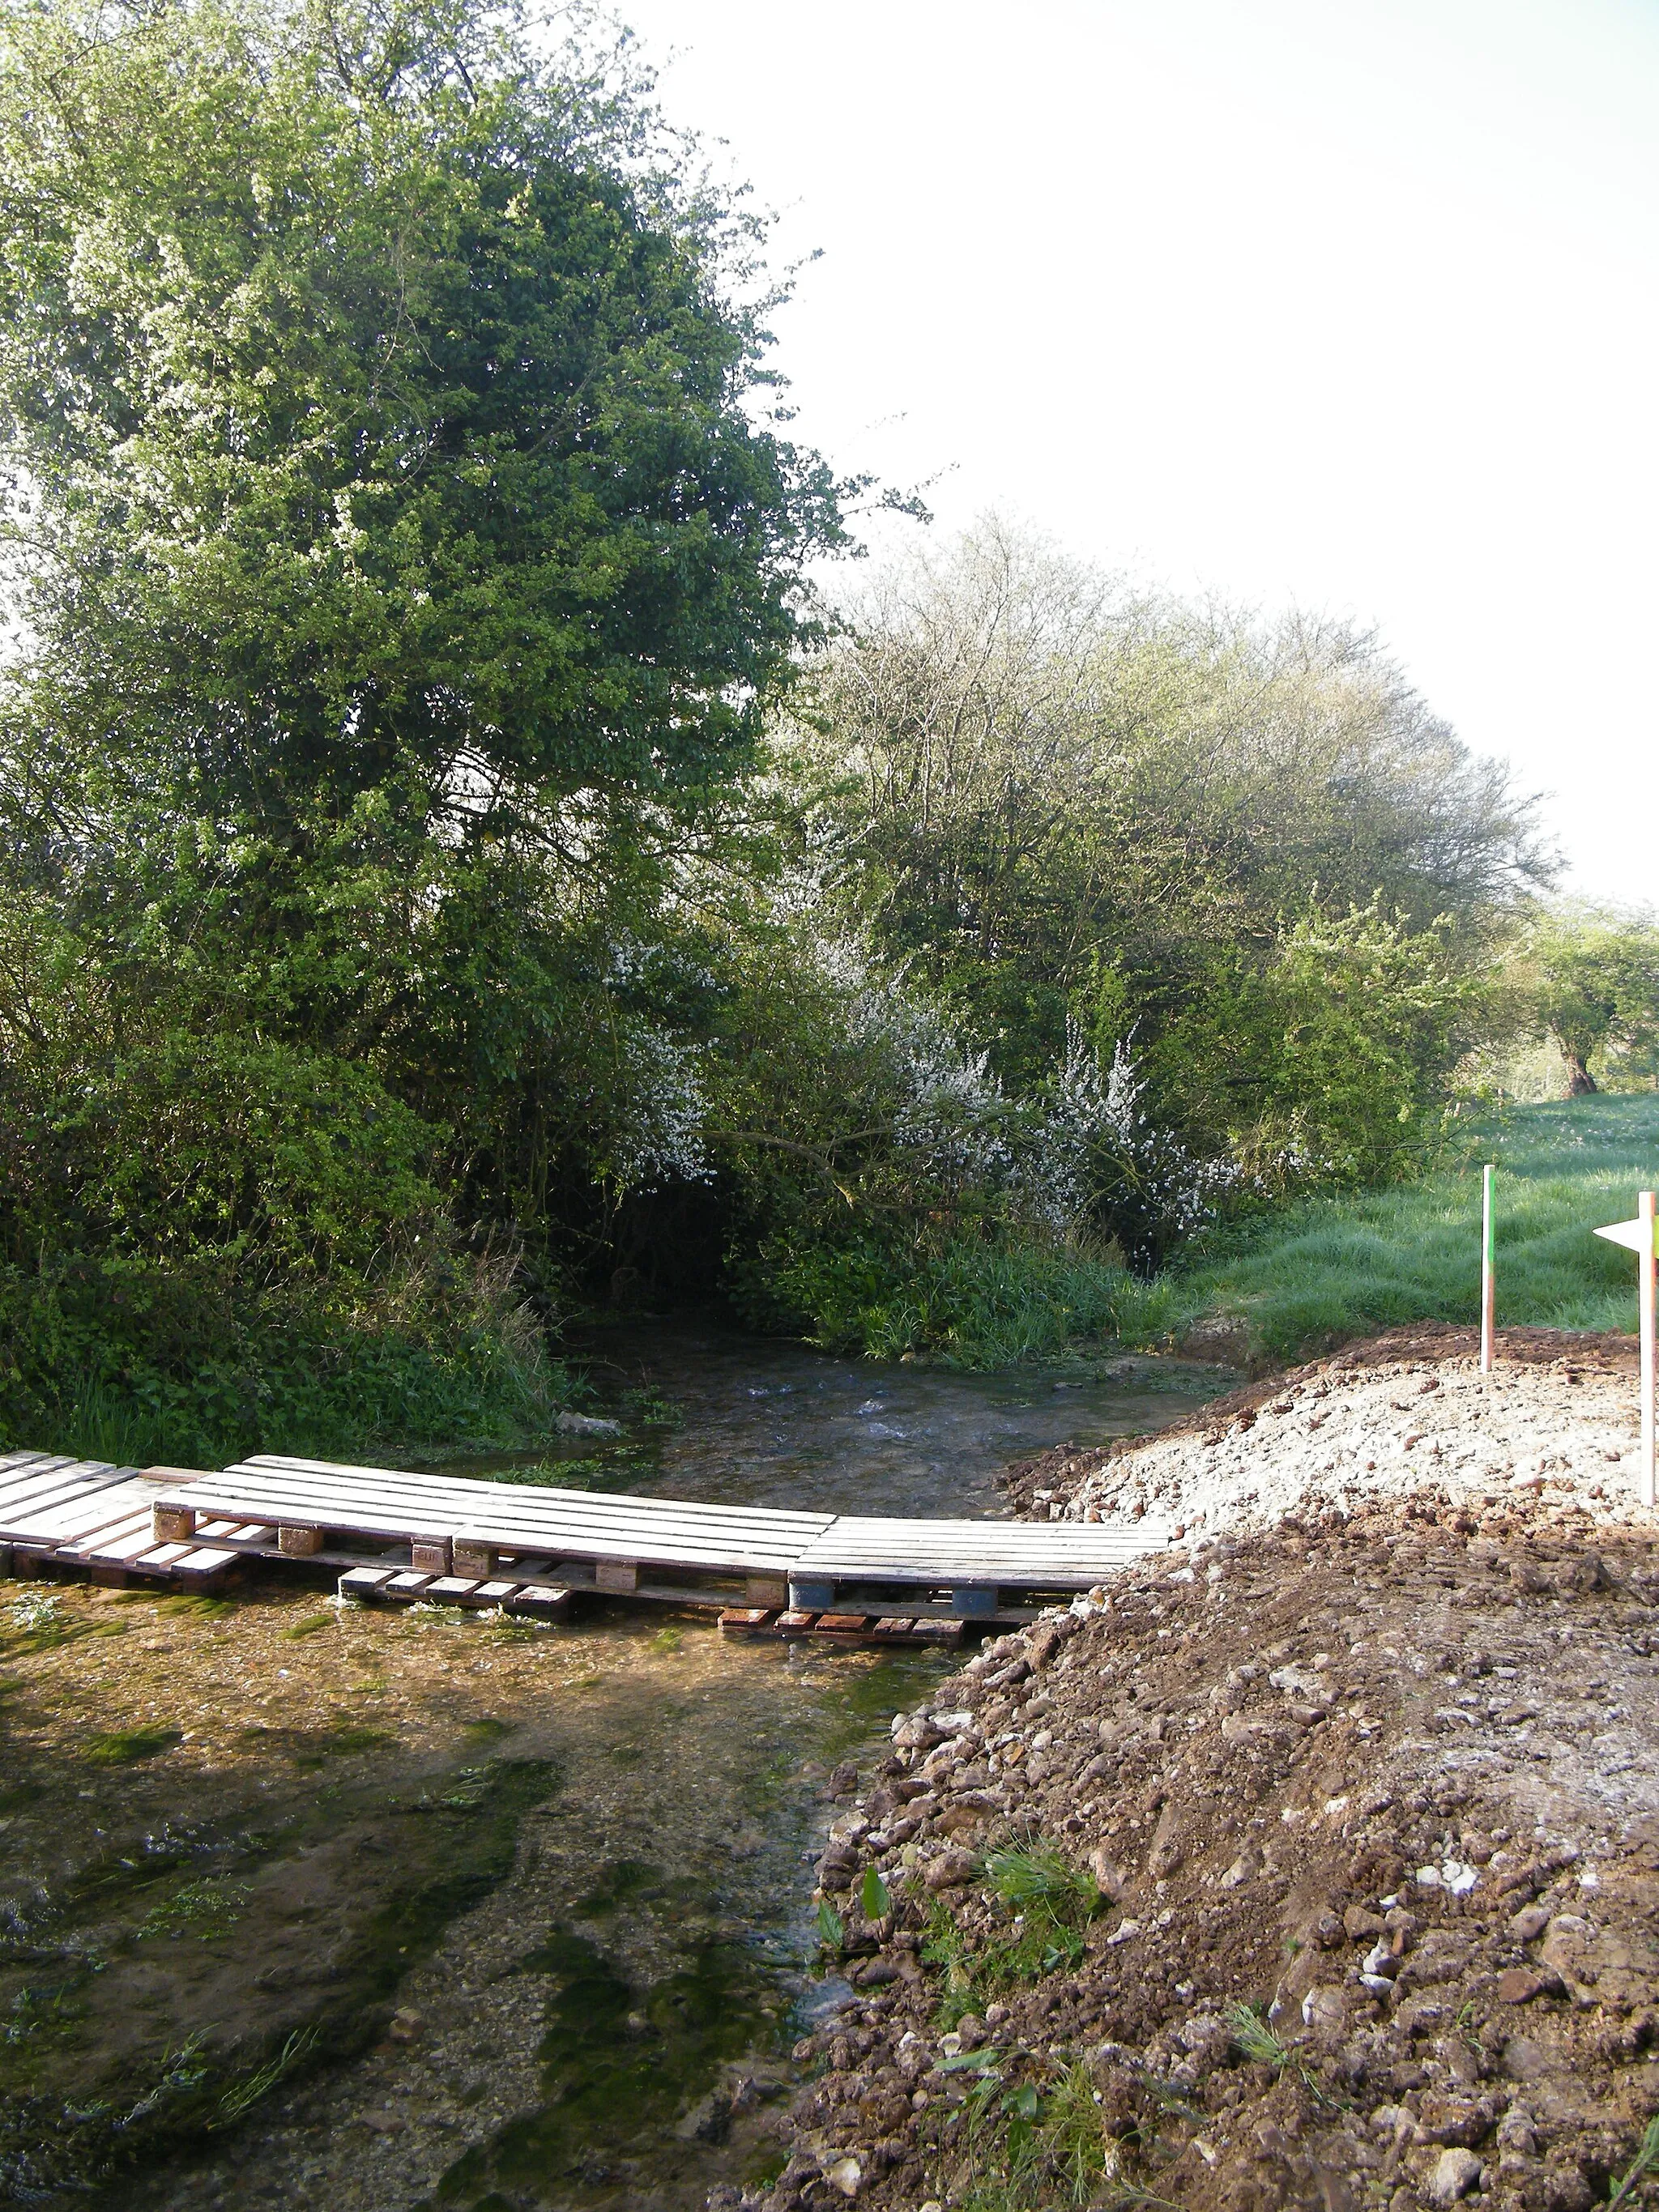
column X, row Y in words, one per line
column 1351, row 302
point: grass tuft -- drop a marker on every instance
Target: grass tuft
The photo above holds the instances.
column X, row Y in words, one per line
column 126, row 1746
column 1646, row 2159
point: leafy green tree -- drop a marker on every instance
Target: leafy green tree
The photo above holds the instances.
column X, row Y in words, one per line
column 402, row 550
column 377, row 414
column 1591, row 979
column 1060, row 801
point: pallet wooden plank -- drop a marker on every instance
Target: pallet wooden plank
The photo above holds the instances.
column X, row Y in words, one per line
column 208, row 1559
column 524, row 1505
column 95, row 1544
column 86, row 1517
column 63, row 1486
column 363, row 1582
column 125, row 1545
column 390, row 1481
column 38, row 1469
column 542, row 1602
column 746, row 1619
column 12, row 1461
column 649, row 1544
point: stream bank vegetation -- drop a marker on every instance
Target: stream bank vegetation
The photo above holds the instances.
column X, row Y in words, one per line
column 456, row 868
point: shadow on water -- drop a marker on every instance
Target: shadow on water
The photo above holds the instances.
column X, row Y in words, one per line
column 673, row 1986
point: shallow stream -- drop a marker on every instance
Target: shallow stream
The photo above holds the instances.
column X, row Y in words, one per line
column 600, row 2016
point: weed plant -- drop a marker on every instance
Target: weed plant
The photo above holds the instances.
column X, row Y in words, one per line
column 1048, row 1903
column 975, row 1306
column 205, row 1910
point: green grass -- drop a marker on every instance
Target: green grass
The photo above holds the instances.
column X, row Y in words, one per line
column 974, row 1306
column 1320, row 1272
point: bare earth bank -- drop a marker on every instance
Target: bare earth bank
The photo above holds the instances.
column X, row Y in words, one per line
column 1372, row 1756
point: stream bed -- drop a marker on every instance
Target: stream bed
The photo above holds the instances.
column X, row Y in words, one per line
column 396, row 1911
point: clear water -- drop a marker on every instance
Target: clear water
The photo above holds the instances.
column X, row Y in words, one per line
column 741, row 1420
column 655, row 1945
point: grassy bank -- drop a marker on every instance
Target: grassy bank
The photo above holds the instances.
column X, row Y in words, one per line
column 1338, row 1267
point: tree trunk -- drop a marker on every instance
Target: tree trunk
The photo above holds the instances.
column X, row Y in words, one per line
column 1580, row 1082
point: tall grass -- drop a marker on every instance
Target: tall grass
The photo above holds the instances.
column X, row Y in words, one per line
column 1332, row 1268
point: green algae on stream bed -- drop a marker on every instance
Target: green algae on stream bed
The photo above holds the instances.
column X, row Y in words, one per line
column 619, row 2064
column 240, row 1837
column 75, row 1957
column 201, row 1950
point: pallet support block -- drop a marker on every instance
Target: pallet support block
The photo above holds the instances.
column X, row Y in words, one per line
column 431, row 1555
column 299, row 1543
column 621, row 1577
column 363, row 1582
column 471, row 1555
column 173, row 1524
column 767, row 1590
column 973, row 1600
column 542, row 1602
column 811, row 1597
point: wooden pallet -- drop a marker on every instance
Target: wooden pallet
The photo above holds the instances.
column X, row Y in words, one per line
column 396, row 1586
column 665, row 1550
column 762, row 1623
column 458, row 1541
column 90, row 1515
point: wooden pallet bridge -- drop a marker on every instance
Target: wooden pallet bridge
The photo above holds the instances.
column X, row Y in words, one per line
column 394, row 1536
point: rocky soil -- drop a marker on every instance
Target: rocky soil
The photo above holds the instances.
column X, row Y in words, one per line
column 1314, row 1864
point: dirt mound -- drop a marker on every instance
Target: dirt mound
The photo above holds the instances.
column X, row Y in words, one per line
column 1315, row 1868
column 1403, row 1415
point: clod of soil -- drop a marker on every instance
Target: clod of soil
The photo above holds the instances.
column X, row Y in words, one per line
column 1313, row 1866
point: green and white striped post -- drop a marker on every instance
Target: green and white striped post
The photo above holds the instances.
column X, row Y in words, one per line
column 1488, row 1290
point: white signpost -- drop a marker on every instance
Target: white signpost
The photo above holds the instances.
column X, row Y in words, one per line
column 1639, row 1236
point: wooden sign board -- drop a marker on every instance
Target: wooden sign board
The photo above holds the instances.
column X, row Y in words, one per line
column 1635, row 1236
column 1638, row 1236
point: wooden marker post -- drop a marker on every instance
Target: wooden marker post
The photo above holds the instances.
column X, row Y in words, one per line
column 1488, row 1292
column 1638, row 1236
column 1645, row 1213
